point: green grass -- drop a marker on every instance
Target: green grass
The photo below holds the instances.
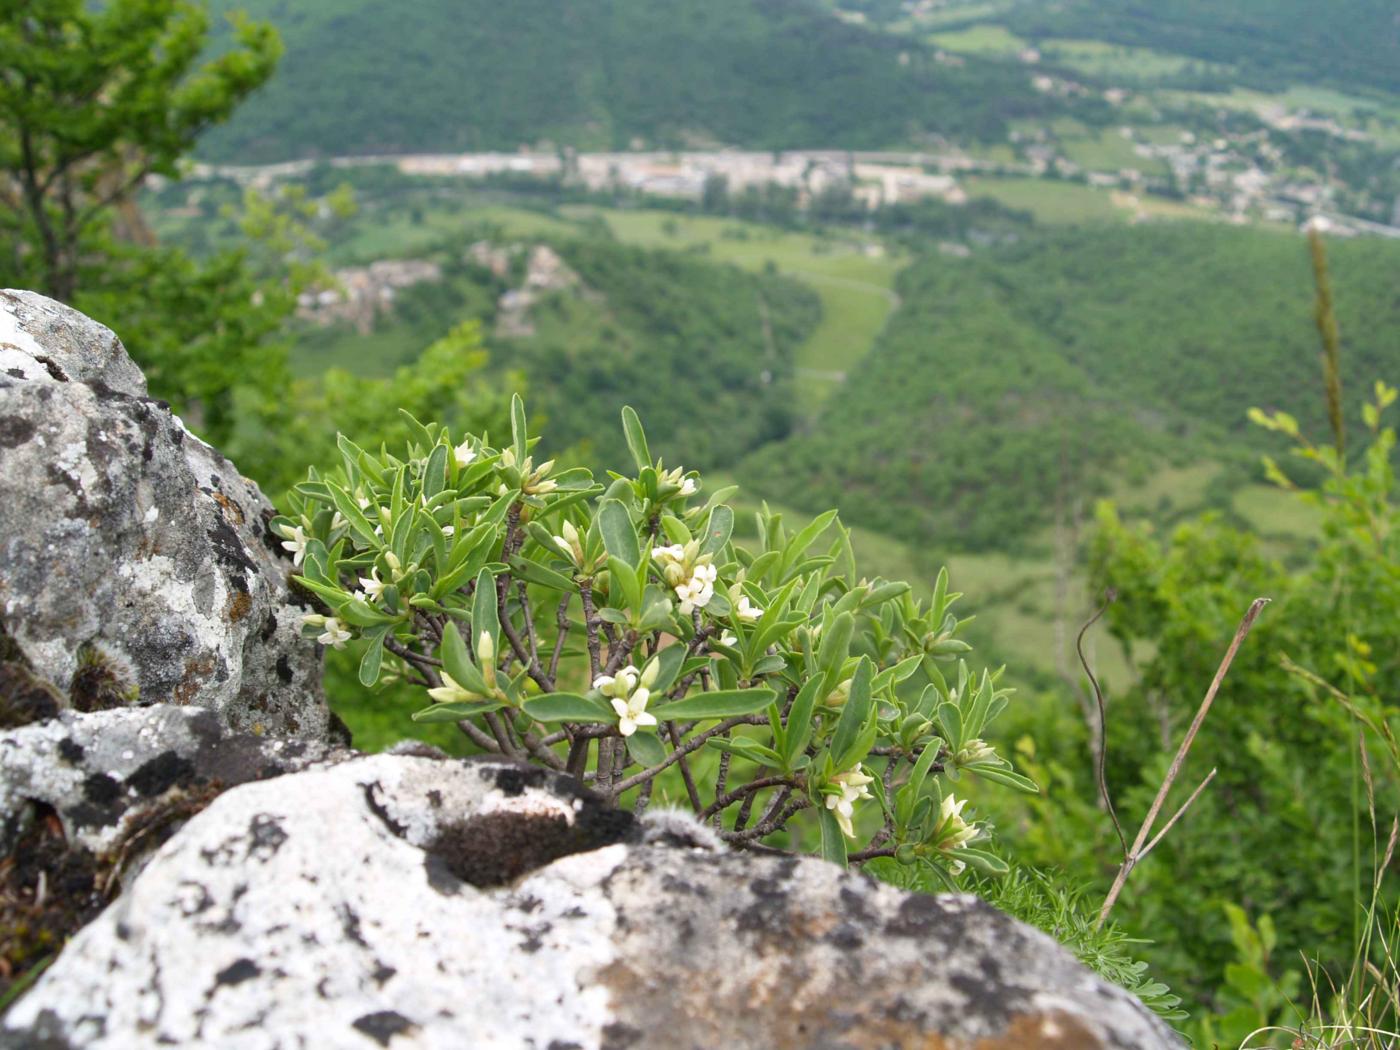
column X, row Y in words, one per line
column 980, row 40
column 856, row 286
column 1100, row 59
column 1049, row 201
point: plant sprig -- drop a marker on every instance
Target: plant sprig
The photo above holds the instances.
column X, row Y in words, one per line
column 622, row 633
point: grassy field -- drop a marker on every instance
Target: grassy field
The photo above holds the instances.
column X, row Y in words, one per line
column 854, row 276
column 1049, row 201
column 1099, row 59
column 980, row 40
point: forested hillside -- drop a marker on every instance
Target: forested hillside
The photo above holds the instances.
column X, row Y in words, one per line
column 368, row 76
column 1052, row 364
column 1268, row 42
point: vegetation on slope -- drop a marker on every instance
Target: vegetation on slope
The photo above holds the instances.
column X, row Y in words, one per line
column 766, row 73
column 1046, row 366
column 1268, row 42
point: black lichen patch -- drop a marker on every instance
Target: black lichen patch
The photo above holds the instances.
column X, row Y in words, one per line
column 493, row 849
column 513, row 780
column 237, row 972
column 161, row 773
column 48, row 890
column 383, row 1025
column 71, row 751
column 101, row 789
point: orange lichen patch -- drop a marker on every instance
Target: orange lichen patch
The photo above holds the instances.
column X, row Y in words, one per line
column 195, row 673
column 238, row 606
column 232, row 511
column 1055, row 1030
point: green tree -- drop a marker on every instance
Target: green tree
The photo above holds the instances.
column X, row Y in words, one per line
column 96, row 99
column 93, row 100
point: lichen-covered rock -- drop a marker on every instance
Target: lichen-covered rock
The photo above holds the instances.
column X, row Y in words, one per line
column 399, row 901
column 98, row 772
column 134, row 558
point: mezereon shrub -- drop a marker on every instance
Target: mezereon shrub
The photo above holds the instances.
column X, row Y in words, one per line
column 622, row 633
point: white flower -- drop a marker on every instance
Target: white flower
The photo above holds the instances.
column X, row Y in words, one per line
column 696, row 592
column 362, row 500
column 727, row 639
column 952, row 831
column 852, row 788
column 295, row 542
column 464, row 454
column 668, row 555
column 373, row 585
column 633, row 712
column 619, row 685
column 449, row 531
column 688, row 487
column 337, row 521
column 629, row 698
column 334, row 634
column 745, row 611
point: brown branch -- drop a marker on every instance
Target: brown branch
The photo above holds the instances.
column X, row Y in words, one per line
column 1137, row 852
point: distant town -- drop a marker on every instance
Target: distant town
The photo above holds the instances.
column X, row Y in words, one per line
column 1230, row 176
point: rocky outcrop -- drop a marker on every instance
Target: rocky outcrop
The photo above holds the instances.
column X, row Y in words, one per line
column 99, row 773
column 401, row 901
column 135, row 561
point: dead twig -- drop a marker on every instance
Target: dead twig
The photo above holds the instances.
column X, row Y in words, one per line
column 1141, row 845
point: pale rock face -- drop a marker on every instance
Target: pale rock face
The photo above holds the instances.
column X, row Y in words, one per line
column 99, row 772
column 122, row 533
column 401, row 901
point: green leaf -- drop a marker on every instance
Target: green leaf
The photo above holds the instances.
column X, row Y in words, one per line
column 950, row 717
column 626, row 582
column 724, row 704
column 1002, row 775
column 749, row 749
column 350, row 511
column 435, row 473
column 332, row 594
column 457, row 662
column 569, row 707
column 669, row 663
column 636, row 438
column 835, row 644
column 833, row 841
column 646, row 748
column 518, row 433
column 981, row 860
column 856, row 710
column 799, row 543
column 718, row 530
column 455, row 712
column 799, row 721
column 534, row 572
column 484, row 617
column 369, row 663
column 619, row 534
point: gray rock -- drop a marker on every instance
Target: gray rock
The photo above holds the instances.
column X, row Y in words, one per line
column 100, row 771
column 400, row 901
column 129, row 546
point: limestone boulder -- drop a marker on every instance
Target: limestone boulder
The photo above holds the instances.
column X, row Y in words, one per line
column 402, row 901
column 135, row 560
